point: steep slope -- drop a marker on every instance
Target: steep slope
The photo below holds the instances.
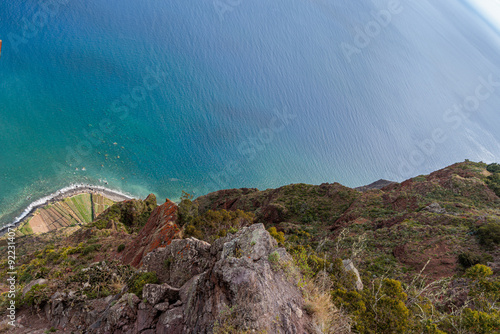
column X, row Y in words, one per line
column 419, row 256
column 404, row 225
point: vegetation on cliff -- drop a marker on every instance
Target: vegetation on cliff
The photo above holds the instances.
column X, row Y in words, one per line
column 411, row 242
column 129, row 216
column 425, row 250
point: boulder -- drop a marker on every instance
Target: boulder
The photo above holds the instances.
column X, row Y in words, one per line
column 146, row 316
column 349, row 266
column 155, row 293
column 171, row 322
column 435, row 208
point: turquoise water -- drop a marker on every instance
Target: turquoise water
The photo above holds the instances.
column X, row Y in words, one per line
column 164, row 96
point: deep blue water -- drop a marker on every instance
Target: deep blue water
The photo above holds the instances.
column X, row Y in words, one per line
column 254, row 94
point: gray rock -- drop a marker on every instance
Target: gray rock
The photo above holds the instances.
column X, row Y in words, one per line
column 28, row 287
column 176, row 263
column 349, row 266
column 162, row 307
column 435, row 208
column 155, row 293
column 171, row 322
column 243, row 286
column 230, row 280
column 145, row 318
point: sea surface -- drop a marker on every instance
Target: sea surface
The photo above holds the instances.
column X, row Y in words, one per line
column 164, row 96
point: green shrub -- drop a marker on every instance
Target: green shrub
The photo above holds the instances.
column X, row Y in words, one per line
column 52, row 257
column 42, row 272
column 480, row 322
column 469, row 259
column 187, row 210
column 215, row 224
column 120, row 248
column 489, row 234
column 274, row 257
column 301, row 260
column 493, row 182
column 342, row 279
column 191, row 231
column 130, row 216
column 222, row 233
column 279, row 236
column 90, row 249
column 431, row 328
column 25, row 277
column 380, row 309
column 38, row 295
column 479, row 271
column 138, row 280
column 352, row 301
column 493, row 168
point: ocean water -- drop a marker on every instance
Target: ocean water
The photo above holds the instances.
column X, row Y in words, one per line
column 165, row 96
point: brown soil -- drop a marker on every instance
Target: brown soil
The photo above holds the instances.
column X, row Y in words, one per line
column 437, row 251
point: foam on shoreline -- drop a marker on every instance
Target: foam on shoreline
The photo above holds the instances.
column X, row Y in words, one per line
column 70, row 191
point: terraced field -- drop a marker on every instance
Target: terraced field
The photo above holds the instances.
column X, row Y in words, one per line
column 100, row 203
column 76, row 210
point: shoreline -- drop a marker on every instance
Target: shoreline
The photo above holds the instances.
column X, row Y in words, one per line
column 61, row 194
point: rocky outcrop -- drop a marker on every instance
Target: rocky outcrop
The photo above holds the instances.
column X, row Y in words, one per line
column 243, row 281
column 435, row 208
column 179, row 261
column 349, row 267
column 156, row 293
column 159, row 231
column 235, row 281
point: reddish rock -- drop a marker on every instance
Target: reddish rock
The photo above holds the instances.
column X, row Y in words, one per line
column 158, row 232
column 146, row 316
column 171, row 322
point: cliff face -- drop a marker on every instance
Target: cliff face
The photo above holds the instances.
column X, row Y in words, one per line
column 331, row 259
column 237, row 282
column 159, row 231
